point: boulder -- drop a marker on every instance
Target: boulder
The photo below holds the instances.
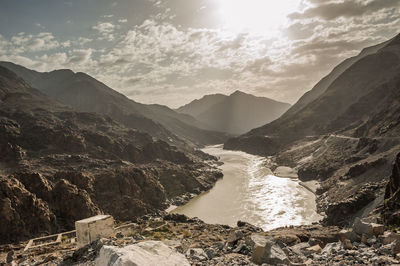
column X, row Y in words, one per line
column 347, row 244
column 299, row 248
column 266, row 250
column 314, row 249
column 348, row 234
column 389, row 237
column 288, row 239
column 141, row 254
column 369, row 229
column 196, row 254
column 331, row 248
column 396, row 247
column 377, row 229
column 235, row 236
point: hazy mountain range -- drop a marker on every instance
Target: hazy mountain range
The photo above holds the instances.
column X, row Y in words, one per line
column 236, row 113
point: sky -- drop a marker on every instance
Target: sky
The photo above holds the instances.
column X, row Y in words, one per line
column 174, row 51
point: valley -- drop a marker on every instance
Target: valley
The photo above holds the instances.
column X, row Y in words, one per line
column 225, row 179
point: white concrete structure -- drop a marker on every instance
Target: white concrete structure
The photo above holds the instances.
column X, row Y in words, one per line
column 93, row 228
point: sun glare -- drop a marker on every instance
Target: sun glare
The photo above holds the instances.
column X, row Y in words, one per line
column 261, row 17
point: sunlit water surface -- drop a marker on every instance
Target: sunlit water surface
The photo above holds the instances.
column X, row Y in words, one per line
column 250, row 192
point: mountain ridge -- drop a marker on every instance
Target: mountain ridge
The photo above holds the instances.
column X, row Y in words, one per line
column 235, row 113
column 85, row 93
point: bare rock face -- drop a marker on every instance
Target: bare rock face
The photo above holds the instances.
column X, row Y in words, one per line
column 36, row 183
column 339, row 213
column 62, row 165
column 128, row 193
column 22, row 213
column 391, row 212
column 71, row 203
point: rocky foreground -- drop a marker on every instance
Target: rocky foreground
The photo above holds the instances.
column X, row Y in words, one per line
column 177, row 240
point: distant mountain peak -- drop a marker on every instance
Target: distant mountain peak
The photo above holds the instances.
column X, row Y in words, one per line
column 237, row 113
column 238, row 93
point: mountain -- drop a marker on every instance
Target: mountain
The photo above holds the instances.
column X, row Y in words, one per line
column 323, row 85
column 85, row 93
column 361, row 102
column 199, row 106
column 236, row 113
column 346, row 135
column 59, row 165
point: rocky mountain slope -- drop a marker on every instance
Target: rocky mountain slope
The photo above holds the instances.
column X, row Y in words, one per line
column 361, row 102
column 236, row 113
column 324, row 83
column 59, row 165
column 347, row 137
column 85, row 93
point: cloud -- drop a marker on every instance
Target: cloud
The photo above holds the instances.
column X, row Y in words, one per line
column 43, row 41
column 106, row 30
column 170, row 61
column 79, row 56
column 329, row 10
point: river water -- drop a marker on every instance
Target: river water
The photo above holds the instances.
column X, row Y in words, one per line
column 250, row 192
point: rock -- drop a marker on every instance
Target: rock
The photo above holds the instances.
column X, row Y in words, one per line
column 361, row 227
column 235, row 236
column 265, row 250
column 390, row 212
column 396, row 247
column 241, row 223
column 10, row 257
column 371, row 241
column 298, row 248
column 176, row 217
column 377, row 229
column 315, row 249
column 347, row 244
column 196, row 254
column 364, row 239
column 389, row 237
column 339, row 213
column 386, row 249
column 219, row 245
column 348, row 234
column 331, row 248
column 314, row 241
column 141, row 254
column 211, row 253
column 288, row 239
column 21, row 212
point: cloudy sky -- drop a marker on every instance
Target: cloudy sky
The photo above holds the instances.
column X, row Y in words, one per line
column 174, row 51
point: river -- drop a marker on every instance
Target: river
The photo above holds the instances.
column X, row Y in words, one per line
column 250, row 192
